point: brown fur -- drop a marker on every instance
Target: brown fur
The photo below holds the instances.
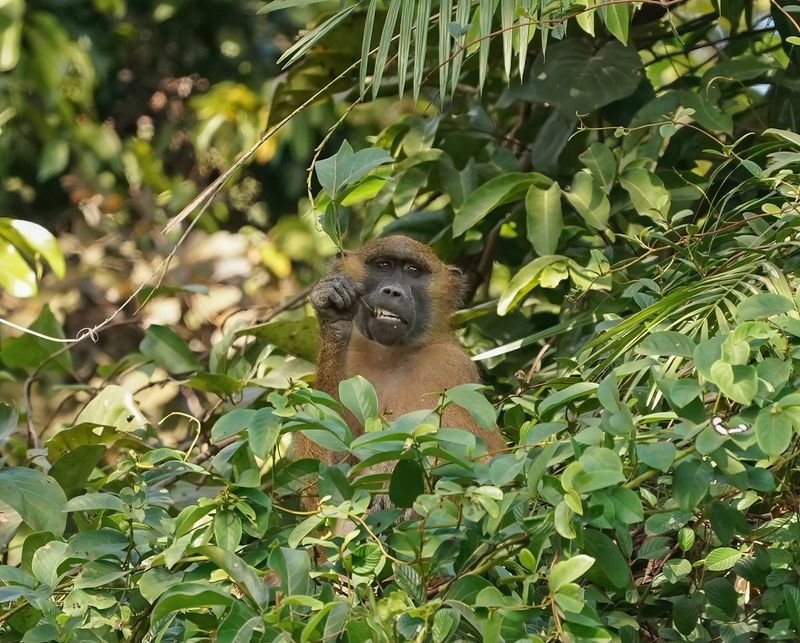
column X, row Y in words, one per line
column 406, row 378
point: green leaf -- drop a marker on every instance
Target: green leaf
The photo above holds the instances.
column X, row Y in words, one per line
column 539, row 466
column 485, row 13
column 28, row 352
column 617, row 19
column 545, row 222
column 560, row 398
column 89, row 434
column 346, row 167
column 404, row 46
column 578, row 78
column 666, row 343
column 53, row 159
column 707, row 354
column 277, row 5
column 169, row 351
column 360, row 398
column 470, row 397
column 420, row 44
column 765, row 304
column 366, row 558
column 47, row 560
column 791, row 598
column 602, row 468
column 627, row 505
column 773, row 374
column 232, row 423
column 740, row 383
column 647, row 192
column 35, row 240
column 16, row 276
column 227, row 529
column 721, row 559
column 216, row 383
column 239, row 624
column 601, row 163
column 299, row 49
column 658, row 455
column 11, row 33
column 685, row 614
column 410, row 581
column 529, row 277
column 37, row 498
column 407, row 483
column 155, row 581
column 566, row 571
column 190, row 596
column 773, row 429
column 263, row 430
column 492, row 194
column 8, row 422
column 679, row 393
column 613, row 564
column 383, row 47
column 686, row 538
column 292, row 336
column 115, row 407
column 242, row 574
column 793, row 138
column 293, row 567
column 589, row 200
column 690, row 483
column 96, row 502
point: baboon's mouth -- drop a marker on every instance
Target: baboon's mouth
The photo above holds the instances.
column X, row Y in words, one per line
column 382, row 313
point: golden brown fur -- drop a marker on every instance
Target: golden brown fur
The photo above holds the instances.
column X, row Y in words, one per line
column 409, row 377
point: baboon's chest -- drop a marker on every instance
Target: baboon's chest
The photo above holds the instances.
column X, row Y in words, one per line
column 408, row 379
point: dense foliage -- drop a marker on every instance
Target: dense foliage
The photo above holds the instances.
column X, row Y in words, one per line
column 624, row 188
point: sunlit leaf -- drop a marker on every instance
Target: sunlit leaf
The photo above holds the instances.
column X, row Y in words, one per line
column 545, row 221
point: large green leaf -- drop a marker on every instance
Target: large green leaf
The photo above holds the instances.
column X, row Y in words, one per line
column 346, row 167
column 765, row 304
column 190, row 596
column 601, row 163
column 492, row 194
column 114, row 406
column 407, row 482
column 566, row 571
column 33, row 239
column 647, row 192
column 11, row 20
column 547, row 271
column 577, row 78
column 773, row 429
column 589, row 200
column 28, row 351
column 36, row 497
column 295, row 337
column 359, row 397
column 545, row 221
column 16, row 276
column 470, row 397
column 162, row 345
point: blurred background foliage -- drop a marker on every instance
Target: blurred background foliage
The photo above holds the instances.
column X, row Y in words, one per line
column 620, row 181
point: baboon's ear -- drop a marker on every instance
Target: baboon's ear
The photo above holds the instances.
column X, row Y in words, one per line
column 461, row 286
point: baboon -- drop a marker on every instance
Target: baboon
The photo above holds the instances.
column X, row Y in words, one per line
column 384, row 313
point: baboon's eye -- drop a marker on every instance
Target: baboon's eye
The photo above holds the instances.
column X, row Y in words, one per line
column 414, row 271
column 383, row 265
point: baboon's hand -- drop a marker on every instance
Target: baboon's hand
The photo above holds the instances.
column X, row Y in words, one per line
column 335, row 298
